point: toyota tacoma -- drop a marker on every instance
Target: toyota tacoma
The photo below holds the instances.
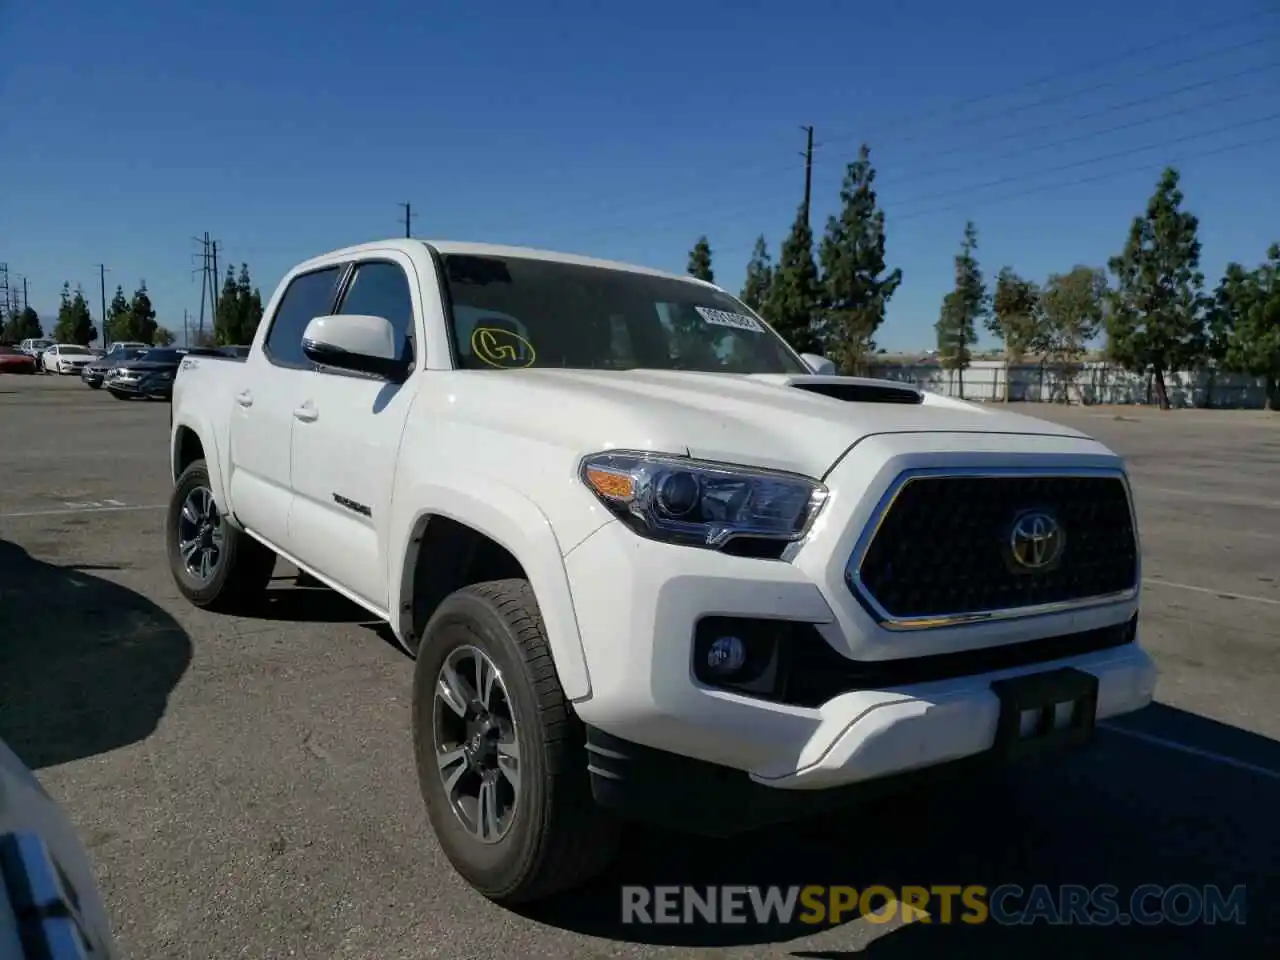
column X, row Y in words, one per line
column 652, row 563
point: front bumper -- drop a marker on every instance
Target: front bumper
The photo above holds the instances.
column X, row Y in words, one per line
column 881, row 704
column 142, row 387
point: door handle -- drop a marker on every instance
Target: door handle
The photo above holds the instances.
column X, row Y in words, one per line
column 307, row 412
column 244, row 398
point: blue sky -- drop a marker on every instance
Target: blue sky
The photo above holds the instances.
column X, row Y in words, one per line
column 622, row 130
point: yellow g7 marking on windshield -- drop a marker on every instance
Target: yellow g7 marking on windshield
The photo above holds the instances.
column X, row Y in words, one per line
column 502, row 348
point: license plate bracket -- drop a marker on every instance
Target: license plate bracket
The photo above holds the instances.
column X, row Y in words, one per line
column 1043, row 698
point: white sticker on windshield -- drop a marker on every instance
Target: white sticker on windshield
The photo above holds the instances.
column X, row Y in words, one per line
column 723, row 318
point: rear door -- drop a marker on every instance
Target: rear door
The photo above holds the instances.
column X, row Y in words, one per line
column 275, row 390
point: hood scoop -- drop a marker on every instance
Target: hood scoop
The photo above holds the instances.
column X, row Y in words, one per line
column 858, row 390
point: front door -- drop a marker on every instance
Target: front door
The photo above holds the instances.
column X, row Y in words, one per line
column 277, row 383
column 345, row 449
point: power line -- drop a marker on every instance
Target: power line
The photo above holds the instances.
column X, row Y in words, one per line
column 622, row 212
column 1094, row 114
column 1123, row 56
column 1226, row 128
column 1095, row 178
column 682, row 217
column 985, row 202
column 1070, row 95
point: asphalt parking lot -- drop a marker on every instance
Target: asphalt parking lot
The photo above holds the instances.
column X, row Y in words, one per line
column 246, row 786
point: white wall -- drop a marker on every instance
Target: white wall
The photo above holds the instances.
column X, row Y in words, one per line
column 1096, row 382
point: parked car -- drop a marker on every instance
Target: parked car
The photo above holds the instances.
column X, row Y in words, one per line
column 653, row 563
column 50, row 902
column 13, row 360
column 35, row 348
column 150, row 375
column 121, row 346
column 64, row 358
column 94, row 373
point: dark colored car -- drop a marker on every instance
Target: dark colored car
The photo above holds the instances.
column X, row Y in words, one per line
column 150, row 375
column 94, row 373
column 13, row 360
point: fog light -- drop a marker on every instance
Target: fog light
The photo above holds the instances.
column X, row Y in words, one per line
column 726, row 656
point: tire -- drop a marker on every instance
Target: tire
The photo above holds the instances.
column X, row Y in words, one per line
column 243, row 568
column 558, row 838
column 93, row 386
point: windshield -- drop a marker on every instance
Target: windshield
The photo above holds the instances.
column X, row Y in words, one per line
column 160, row 356
column 523, row 312
column 72, row 348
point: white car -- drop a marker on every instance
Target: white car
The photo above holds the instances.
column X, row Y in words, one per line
column 67, row 358
column 653, row 564
column 35, row 347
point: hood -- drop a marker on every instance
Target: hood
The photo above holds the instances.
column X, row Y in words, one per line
column 775, row 421
column 149, row 366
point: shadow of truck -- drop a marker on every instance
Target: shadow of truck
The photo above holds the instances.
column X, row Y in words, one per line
column 86, row 665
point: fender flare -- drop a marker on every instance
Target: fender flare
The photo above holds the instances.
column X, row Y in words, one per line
column 209, row 444
column 519, row 525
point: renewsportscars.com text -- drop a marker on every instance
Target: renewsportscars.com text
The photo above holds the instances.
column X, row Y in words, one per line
column 1007, row 905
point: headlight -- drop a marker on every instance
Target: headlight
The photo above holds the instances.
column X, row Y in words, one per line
column 699, row 503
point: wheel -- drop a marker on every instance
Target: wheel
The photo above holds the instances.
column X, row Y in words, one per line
column 501, row 756
column 215, row 566
column 94, row 385
column 120, row 396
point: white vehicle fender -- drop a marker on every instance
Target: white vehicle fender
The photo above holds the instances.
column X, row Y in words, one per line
column 207, row 436
column 510, row 519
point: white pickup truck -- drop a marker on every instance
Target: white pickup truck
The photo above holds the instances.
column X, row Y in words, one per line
column 653, row 564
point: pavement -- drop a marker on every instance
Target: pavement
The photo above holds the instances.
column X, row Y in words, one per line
column 246, row 786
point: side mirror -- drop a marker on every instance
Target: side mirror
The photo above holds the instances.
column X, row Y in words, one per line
column 819, row 365
column 355, row 342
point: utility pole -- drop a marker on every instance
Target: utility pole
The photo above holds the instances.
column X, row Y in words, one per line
column 213, row 279
column 808, row 170
column 408, row 217
column 186, row 328
column 4, row 292
column 204, row 279
column 102, row 289
column 25, row 305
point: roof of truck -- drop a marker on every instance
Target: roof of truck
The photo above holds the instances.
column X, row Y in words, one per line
column 466, row 248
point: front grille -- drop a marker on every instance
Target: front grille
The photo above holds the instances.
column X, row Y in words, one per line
column 943, row 548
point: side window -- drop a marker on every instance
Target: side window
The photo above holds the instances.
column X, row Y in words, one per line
column 381, row 289
column 308, row 296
